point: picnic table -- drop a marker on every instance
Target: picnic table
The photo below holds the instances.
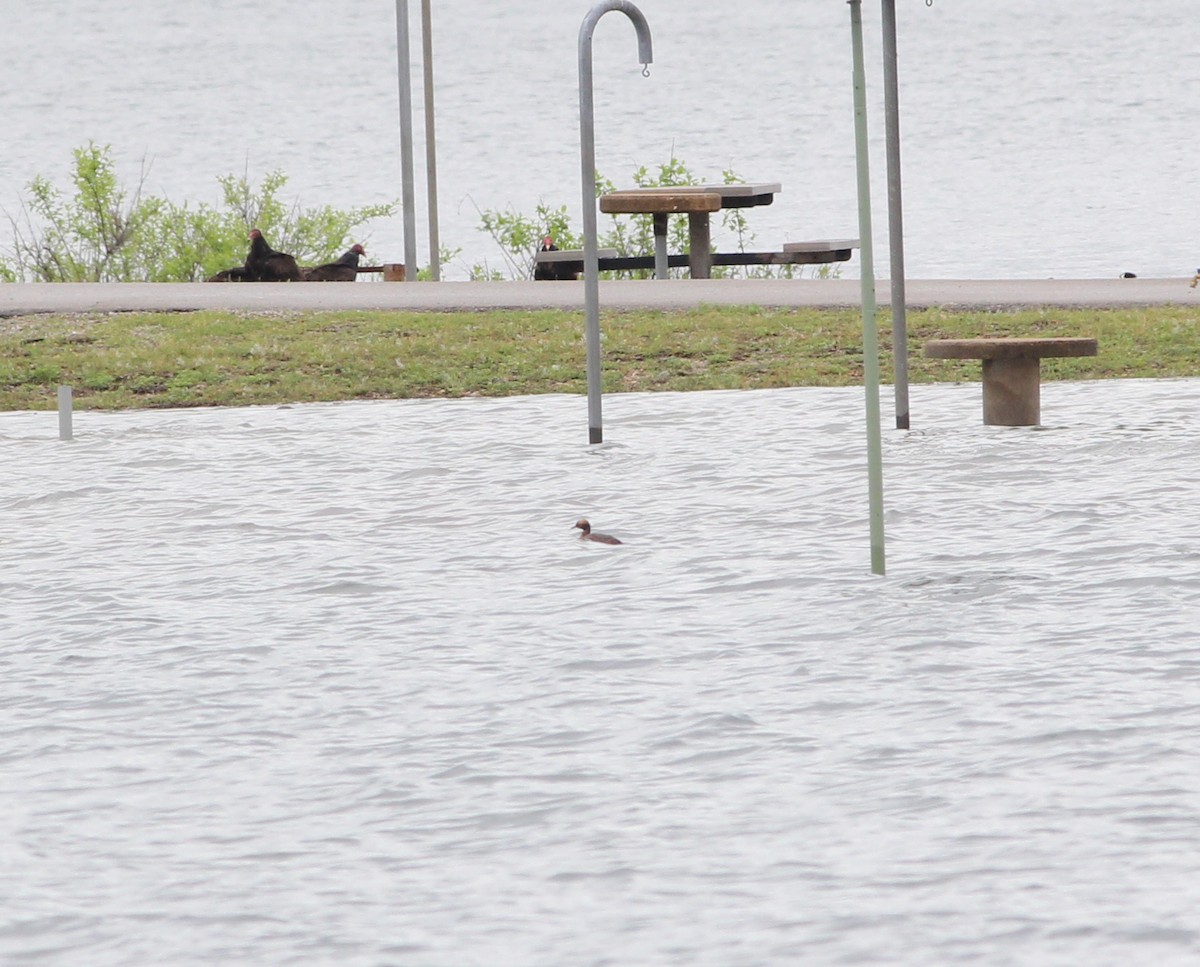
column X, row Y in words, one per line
column 698, row 202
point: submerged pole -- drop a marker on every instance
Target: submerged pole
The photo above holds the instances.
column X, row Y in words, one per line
column 587, row 168
column 65, row 430
column 408, row 192
column 899, row 296
column 435, row 254
column 870, row 336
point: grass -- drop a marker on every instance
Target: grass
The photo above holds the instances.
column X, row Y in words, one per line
column 137, row 360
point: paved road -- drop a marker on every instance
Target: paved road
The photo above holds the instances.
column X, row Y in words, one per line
column 31, row 298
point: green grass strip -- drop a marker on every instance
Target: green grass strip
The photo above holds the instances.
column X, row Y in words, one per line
column 139, row 360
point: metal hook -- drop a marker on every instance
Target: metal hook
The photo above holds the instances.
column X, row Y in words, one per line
column 645, row 70
column 929, row 3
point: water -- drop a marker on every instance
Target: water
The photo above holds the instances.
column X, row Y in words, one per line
column 336, row 684
column 1040, row 140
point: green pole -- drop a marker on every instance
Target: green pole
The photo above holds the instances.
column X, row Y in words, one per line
column 870, row 335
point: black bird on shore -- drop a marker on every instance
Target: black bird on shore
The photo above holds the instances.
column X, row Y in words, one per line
column 264, row 264
column 552, row 271
column 344, row 269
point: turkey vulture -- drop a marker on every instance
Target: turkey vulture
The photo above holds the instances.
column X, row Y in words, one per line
column 264, row 264
column 552, row 271
column 544, row 271
column 344, row 269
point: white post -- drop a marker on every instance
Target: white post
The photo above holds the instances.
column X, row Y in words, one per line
column 64, row 413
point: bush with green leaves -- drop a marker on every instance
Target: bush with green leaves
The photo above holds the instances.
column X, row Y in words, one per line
column 104, row 232
column 519, row 236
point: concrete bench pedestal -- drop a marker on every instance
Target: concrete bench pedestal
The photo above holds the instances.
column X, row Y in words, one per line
column 1011, row 372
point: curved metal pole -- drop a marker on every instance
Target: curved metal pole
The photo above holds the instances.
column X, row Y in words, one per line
column 899, row 296
column 867, row 256
column 587, row 160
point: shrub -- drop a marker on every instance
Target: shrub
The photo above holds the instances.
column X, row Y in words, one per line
column 520, row 237
column 103, row 232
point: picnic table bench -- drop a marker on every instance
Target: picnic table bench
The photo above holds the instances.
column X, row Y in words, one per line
column 570, row 261
column 1011, row 371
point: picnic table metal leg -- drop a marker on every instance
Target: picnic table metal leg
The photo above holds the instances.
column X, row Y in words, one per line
column 699, row 254
column 661, row 270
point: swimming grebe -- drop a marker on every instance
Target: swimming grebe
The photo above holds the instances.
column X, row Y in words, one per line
column 587, row 534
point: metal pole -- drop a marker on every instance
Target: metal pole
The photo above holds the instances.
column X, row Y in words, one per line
column 587, row 170
column 65, row 431
column 891, row 113
column 870, row 336
column 662, row 262
column 435, row 255
column 408, row 196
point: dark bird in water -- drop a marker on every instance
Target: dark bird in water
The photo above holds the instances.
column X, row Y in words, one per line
column 587, row 534
column 552, row 271
column 264, row 264
column 344, row 269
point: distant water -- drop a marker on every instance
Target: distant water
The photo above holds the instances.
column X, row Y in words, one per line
column 336, row 684
column 1040, row 140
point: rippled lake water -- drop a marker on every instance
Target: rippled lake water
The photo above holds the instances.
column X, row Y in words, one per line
column 1040, row 139
column 337, row 684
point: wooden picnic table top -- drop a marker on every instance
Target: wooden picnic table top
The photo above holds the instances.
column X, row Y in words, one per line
column 741, row 195
column 659, row 202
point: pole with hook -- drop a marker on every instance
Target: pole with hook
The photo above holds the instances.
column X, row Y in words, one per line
column 587, row 161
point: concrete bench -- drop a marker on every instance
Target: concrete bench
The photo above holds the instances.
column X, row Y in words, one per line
column 825, row 245
column 565, row 265
column 1011, row 372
